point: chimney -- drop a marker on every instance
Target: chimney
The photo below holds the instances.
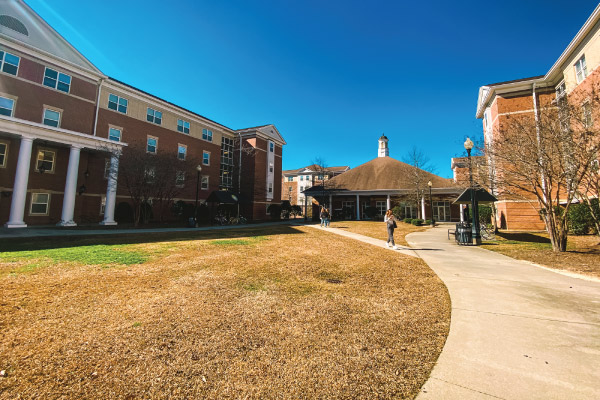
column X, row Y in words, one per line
column 383, row 147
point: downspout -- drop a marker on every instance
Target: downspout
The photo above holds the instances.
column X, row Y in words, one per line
column 97, row 106
column 539, row 141
column 239, row 174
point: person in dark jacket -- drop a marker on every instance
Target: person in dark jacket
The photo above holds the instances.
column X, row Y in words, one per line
column 390, row 221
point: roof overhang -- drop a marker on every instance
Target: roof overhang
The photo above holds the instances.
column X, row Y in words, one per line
column 318, row 190
column 34, row 130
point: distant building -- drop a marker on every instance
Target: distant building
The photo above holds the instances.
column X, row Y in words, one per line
column 295, row 181
column 384, row 183
column 574, row 74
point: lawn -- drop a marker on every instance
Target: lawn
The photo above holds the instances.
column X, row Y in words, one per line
column 378, row 230
column 582, row 255
column 274, row 312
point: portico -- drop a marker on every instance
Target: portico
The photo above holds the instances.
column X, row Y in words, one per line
column 27, row 134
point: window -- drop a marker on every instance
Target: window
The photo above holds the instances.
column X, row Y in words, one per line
column 9, row 63
column 270, row 167
column 207, row 135
column 57, row 80
column 39, row 203
column 151, row 144
column 51, row 117
column 290, row 179
column 271, row 147
column 183, row 126
column 102, row 204
column 205, row 158
column 114, row 134
column 320, row 177
column 117, row 103
column 380, row 205
column 150, row 174
column 6, row 106
column 587, row 114
column 301, row 177
column 154, row 116
column 45, row 161
column 581, row 69
column 308, row 177
column 226, row 169
column 181, row 151
column 561, row 90
column 180, row 178
column 270, row 187
column 3, row 154
column 106, row 168
column 204, row 182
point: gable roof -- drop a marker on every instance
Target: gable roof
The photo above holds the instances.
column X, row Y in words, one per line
column 315, row 168
column 384, row 173
column 24, row 26
column 269, row 132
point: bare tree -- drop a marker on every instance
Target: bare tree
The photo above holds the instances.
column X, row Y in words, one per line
column 322, row 169
column 419, row 177
column 544, row 158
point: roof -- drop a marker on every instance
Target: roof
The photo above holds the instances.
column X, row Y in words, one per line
column 266, row 131
column 384, row 173
column 225, row 197
column 317, row 168
column 168, row 102
column 515, row 81
column 482, row 196
column 383, row 137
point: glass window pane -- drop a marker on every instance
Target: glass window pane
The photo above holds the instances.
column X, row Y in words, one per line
column 64, row 78
column 63, row 87
column 1, row 56
column 9, row 69
column 123, row 102
column 38, row 208
column 12, row 59
column 123, row 109
column 50, row 82
column 50, row 73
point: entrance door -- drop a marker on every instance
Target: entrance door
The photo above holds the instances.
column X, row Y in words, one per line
column 441, row 213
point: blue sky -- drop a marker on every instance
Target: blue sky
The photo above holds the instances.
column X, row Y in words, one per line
column 331, row 75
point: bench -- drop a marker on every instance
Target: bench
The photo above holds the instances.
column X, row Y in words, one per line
column 451, row 232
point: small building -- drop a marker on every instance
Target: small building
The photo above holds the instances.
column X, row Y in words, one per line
column 385, row 183
column 295, row 181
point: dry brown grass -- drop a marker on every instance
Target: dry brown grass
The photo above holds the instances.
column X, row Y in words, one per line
column 256, row 313
column 378, row 230
column 582, row 255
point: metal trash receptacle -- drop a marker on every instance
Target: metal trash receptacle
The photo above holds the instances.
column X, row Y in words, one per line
column 463, row 233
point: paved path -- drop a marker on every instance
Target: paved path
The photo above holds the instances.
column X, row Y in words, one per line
column 517, row 331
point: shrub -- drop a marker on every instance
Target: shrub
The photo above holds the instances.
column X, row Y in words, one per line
column 371, row 212
column 579, row 219
column 274, row 211
column 408, row 220
column 427, row 222
column 417, row 222
column 398, row 212
column 485, row 214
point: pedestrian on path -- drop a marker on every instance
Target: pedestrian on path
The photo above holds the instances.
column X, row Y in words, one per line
column 322, row 216
column 327, row 218
column 390, row 221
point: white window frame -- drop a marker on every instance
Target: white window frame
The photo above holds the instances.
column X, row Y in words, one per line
column 381, row 207
column 561, row 90
column 47, row 203
column 14, row 102
column 3, row 62
column 204, row 154
column 184, row 147
column 54, row 109
column 271, row 147
column 106, row 168
column 152, row 112
column 204, row 182
column 150, row 174
column 581, row 68
column 102, row 204
column 115, row 128
column 148, row 138
column 182, row 123
column 7, row 145
column 207, row 135
column 37, row 160
column 58, row 76
column 586, row 109
column 118, row 103
column 270, row 190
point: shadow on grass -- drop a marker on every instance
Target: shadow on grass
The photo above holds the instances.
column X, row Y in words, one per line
column 49, row 242
column 523, row 237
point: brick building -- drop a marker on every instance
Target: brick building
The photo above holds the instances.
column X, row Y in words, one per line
column 573, row 75
column 64, row 126
column 295, row 181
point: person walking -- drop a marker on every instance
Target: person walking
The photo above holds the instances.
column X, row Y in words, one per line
column 327, row 218
column 390, row 221
column 322, row 216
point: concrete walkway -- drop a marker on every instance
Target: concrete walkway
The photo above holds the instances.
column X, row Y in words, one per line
column 517, row 331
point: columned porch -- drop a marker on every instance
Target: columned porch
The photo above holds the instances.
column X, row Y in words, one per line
column 26, row 164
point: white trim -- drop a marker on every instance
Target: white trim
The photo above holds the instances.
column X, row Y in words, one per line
column 41, row 149
column 203, row 153
column 55, row 109
column 31, row 213
column 7, row 144
column 3, row 61
column 184, row 154
column 46, row 68
column 148, row 137
column 118, row 98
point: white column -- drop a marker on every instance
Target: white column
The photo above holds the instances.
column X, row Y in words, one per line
column 388, row 203
column 331, row 204
column 462, row 213
column 111, row 191
column 19, row 195
column 70, row 188
column 357, row 208
column 423, row 207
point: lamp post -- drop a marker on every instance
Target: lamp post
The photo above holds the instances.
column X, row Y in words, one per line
column 198, row 169
column 474, row 211
column 431, row 203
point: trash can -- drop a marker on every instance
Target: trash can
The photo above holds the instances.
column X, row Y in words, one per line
column 463, row 233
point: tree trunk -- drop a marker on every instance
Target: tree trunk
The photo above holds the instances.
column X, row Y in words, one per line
column 558, row 236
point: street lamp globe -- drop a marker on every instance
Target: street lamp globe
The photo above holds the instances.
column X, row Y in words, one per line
column 429, row 184
column 198, row 168
column 468, row 144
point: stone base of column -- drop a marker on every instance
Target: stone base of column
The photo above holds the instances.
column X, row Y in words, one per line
column 108, row 223
column 15, row 225
column 66, row 223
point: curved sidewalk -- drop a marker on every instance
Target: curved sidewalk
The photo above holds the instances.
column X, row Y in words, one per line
column 517, row 331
